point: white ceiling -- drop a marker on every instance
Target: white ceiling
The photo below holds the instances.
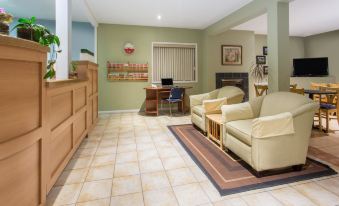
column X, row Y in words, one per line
column 307, row 17
column 197, row 14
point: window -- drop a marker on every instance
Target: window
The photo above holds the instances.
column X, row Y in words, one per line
column 174, row 60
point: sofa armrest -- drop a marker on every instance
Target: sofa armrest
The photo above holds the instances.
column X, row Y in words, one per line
column 310, row 107
column 213, row 104
column 272, row 126
column 198, row 99
column 236, row 112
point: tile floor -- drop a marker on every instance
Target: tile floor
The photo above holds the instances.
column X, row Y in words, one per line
column 132, row 160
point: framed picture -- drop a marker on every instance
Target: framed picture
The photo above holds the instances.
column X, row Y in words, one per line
column 261, row 59
column 264, row 50
column 265, row 70
column 231, row 55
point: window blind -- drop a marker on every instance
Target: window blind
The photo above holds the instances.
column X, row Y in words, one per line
column 174, row 61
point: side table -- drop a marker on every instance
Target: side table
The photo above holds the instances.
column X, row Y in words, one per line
column 214, row 129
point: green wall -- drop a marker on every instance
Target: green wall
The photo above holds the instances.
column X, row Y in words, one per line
column 325, row 45
column 120, row 95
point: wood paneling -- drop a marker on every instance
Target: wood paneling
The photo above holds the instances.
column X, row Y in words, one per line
column 20, row 177
column 80, row 127
column 41, row 123
column 19, row 105
column 22, row 122
column 79, row 98
column 61, row 105
column 61, row 146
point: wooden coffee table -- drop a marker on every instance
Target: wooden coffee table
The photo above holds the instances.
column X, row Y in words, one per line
column 214, row 129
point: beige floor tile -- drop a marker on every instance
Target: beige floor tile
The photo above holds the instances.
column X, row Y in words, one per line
column 231, row 202
column 126, row 169
column 103, row 160
column 101, row 202
column 189, row 161
column 180, row 176
column 261, row 199
column 108, row 143
column 173, row 163
column 147, row 154
column 330, row 184
column 145, row 146
column 64, row 195
column 100, row 173
column 143, row 139
column 290, row 196
column 106, row 150
column 190, row 195
column 95, row 190
column 126, row 148
column 167, row 152
column 161, row 197
column 84, row 152
column 198, row 174
column 212, row 193
column 317, row 194
column 72, row 177
column 128, row 200
column 79, row 163
column 126, row 157
column 153, row 181
column 151, row 165
column 129, row 140
column 126, row 185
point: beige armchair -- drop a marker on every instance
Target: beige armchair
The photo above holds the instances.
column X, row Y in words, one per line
column 210, row 103
column 271, row 131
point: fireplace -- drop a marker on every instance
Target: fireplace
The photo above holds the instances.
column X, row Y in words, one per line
column 233, row 79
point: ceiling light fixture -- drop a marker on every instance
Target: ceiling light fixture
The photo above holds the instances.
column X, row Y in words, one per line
column 159, row 17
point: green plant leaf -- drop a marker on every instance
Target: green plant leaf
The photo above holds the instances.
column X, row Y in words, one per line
column 33, row 19
column 24, row 21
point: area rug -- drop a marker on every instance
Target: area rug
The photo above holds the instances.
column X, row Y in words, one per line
column 229, row 173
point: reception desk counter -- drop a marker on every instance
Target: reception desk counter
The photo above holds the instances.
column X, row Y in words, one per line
column 41, row 123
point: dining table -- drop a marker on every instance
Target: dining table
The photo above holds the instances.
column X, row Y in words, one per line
column 312, row 92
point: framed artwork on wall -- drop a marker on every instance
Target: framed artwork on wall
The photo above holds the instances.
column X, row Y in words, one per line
column 265, row 70
column 261, row 59
column 264, row 50
column 231, row 54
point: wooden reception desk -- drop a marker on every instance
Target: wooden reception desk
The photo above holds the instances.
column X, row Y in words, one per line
column 42, row 123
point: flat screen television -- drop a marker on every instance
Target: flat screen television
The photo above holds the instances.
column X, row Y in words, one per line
column 313, row 67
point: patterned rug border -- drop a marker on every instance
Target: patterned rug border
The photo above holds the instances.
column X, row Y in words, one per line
column 273, row 183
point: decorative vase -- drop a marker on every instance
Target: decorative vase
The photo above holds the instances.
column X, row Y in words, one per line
column 5, row 20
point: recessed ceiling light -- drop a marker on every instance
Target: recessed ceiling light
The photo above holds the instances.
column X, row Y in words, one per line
column 159, row 17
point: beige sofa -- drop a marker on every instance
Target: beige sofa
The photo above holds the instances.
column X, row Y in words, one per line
column 270, row 132
column 210, row 103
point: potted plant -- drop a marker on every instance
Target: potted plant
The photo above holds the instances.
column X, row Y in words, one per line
column 258, row 72
column 28, row 29
column 5, row 20
column 73, row 74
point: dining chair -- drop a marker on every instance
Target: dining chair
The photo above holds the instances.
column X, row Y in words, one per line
column 293, row 86
column 329, row 108
column 260, row 89
column 176, row 96
column 298, row 91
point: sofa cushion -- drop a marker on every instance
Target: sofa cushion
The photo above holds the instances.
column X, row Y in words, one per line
column 241, row 129
column 198, row 110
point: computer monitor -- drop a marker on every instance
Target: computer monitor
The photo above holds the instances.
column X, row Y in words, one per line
column 166, row 82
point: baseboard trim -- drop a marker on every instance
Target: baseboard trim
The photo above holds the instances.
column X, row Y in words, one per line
column 119, row 111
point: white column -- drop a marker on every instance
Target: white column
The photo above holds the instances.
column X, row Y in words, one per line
column 63, row 22
column 96, row 44
column 278, row 46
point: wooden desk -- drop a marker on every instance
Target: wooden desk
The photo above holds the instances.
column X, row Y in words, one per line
column 155, row 94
